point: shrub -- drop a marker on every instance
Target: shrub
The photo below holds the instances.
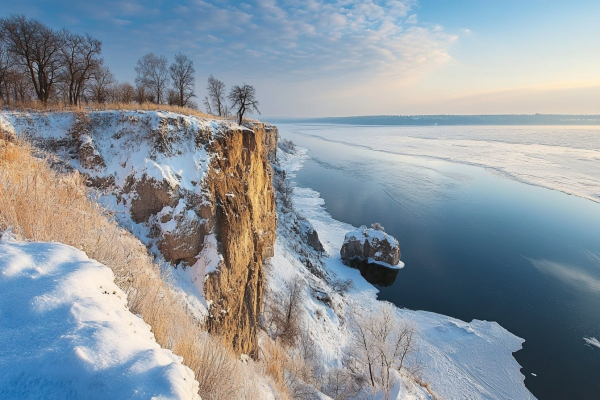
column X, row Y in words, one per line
column 377, row 226
column 287, row 146
column 341, row 286
column 283, row 315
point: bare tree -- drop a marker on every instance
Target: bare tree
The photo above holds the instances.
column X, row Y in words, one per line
column 216, row 97
column 141, row 96
column 102, row 81
column 5, row 69
column 36, row 47
column 383, row 343
column 124, row 92
column 153, row 74
column 80, row 56
column 18, row 86
column 364, row 345
column 182, row 77
column 243, row 99
column 341, row 384
column 283, row 315
column 207, row 106
column 173, row 98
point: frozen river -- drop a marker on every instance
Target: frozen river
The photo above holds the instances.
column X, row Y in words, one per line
column 478, row 243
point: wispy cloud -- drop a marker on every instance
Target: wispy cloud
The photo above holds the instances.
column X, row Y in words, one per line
column 316, row 38
column 316, row 49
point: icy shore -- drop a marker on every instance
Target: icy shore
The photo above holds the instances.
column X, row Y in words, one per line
column 563, row 158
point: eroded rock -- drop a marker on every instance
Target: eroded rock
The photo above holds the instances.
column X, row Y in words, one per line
column 150, row 196
column 366, row 243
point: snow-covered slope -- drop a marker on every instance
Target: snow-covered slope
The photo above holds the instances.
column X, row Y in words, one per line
column 66, row 332
column 461, row 360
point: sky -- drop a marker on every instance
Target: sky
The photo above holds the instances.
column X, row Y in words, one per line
column 318, row 58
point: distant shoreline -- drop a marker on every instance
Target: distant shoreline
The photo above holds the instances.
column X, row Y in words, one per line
column 446, row 120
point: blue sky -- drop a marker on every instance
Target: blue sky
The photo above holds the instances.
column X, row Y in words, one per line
column 322, row 58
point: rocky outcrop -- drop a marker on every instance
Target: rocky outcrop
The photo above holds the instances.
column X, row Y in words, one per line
column 374, row 253
column 270, row 137
column 373, row 244
column 311, row 236
column 149, row 196
column 240, row 183
column 80, row 133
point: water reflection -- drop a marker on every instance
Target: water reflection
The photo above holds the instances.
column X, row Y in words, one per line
column 374, row 273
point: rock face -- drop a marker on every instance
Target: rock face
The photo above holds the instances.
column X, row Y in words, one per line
column 240, row 183
column 270, row 137
column 311, row 236
column 365, row 244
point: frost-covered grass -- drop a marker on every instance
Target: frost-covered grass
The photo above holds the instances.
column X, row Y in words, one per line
column 66, row 332
column 37, row 106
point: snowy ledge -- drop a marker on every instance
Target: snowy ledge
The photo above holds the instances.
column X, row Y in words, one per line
column 400, row 264
column 66, row 332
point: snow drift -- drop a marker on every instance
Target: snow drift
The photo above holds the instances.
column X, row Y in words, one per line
column 66, row 332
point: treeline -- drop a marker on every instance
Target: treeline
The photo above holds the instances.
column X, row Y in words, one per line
column 38, row 63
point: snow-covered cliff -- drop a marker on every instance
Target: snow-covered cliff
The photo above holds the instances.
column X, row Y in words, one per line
column 196, row 191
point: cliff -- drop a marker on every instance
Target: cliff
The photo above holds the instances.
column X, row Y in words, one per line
column 244, row 209
column 196, row 191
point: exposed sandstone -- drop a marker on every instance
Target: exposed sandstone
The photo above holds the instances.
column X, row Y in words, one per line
column 240, row 183
column 270, row 136
column 150, row 196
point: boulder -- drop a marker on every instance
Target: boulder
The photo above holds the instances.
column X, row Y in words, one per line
column 370, row 245
column 311, row 236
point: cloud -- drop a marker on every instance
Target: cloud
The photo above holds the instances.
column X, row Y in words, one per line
column 318, row 40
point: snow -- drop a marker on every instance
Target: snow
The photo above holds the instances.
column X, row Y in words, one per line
column 126, row 142
column 190, row 280
column 363, row 233
column 400, row 264
column 462, row 360
column 564, row 158
column 66, row 332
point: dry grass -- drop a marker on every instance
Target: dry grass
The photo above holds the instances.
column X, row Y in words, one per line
column 37, row 106
column 294, row 374
column 41, row 204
